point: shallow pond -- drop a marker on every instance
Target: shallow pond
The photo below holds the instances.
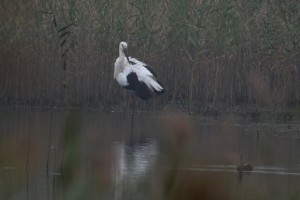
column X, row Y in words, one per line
column 57, row 154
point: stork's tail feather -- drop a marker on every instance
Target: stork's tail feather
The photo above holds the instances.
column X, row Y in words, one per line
column 159, row 92
column 158, row 88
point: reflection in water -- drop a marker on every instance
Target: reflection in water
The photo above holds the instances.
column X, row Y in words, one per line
column 132, row 166
column 98, row 163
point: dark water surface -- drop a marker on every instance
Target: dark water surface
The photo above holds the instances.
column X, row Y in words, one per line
column 57, row 154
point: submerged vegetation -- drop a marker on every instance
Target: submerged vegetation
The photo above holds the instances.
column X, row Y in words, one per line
column 219, row 53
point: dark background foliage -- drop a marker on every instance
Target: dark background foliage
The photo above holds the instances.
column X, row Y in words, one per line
column 220, row 53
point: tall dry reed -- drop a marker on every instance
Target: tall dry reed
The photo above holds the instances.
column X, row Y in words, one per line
column 219, row 53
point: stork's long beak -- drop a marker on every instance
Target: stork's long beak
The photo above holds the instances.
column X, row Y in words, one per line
column 126, row 55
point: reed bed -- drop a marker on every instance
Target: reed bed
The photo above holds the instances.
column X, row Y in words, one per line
column 207, row 53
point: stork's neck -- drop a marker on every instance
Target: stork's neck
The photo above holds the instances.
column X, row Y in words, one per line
column 121, row 53
column 123, row 57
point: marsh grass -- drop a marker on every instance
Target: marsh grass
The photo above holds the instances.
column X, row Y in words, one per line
column 219, row 53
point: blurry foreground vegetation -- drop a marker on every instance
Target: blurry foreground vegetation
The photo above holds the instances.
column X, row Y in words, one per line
column 211, row 52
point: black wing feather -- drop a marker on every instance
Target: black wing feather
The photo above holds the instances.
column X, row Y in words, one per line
column 140, row 88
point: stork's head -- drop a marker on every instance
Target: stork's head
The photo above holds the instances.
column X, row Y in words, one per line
column 123, row 45
column 123, row 49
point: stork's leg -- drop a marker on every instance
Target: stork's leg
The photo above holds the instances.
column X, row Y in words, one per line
column 133, row 106
column 132, row 115
column 124, row 113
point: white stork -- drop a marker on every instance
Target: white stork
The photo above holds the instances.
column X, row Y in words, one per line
column 135, row 75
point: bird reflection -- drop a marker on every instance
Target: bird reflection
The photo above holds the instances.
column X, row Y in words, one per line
column 132, row 165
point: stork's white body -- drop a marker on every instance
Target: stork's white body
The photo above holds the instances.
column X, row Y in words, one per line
column 135, row 75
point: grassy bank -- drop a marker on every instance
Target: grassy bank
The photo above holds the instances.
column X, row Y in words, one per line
column 221, row 53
